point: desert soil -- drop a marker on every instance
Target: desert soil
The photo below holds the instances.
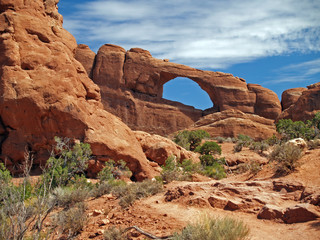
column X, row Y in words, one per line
column 181, row 203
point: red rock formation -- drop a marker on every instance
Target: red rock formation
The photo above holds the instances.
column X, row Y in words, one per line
column 291, row 96
column 132, row 85
column 306, row 106
column 231, row 123
column 86, row 57
column 158, row 148
column 45, row 92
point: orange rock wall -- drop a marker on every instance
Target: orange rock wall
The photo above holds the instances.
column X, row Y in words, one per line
column 45, row 92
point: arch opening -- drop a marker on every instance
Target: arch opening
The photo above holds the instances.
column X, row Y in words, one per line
column 187, row 92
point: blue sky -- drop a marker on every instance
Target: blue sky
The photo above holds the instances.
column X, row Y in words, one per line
column 269, row 42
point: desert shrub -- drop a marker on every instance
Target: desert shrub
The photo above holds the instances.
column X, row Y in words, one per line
column 289, row 130
column 129, row 193
column 253, row 166
column 215, row 171
column 259, row 147
column 208, row 228
column 68, row 162
column 315, row 121
column 271, row 141
column 107, row 187
column 208, row 148
column 114, row 170
column 24, row 208
column 68, row 196
column 286, row 157
column 313, row 144
column 5, row 176
column 113, row 233
column 238, row 146
column 246, row 140
column 173, row 170
column 209, row 160
column 190, row 139
column 220, row 139
column 71, row 221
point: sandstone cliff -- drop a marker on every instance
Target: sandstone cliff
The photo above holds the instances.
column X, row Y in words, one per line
column 45, row 92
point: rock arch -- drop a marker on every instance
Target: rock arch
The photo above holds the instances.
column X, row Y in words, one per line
column 132, row 82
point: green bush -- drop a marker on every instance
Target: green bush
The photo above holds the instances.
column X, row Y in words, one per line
column 215, row 171
column 208, row 228
column 208, row 148
column 271, row 141
column 174, row 170
column 209, row 160
column 289, row 129
column 246, row 140
column 68, row 162
column 190, row 139
column 114, row 170
column 315, row 121
column 5, row 176
column 286, row 157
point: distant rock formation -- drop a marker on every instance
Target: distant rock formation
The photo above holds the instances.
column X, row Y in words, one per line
column 45, row 92
column 291, row 96
column 131, row 84
column 231, row 123
column 303, row 107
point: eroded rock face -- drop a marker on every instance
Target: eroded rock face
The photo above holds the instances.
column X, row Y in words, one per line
column 45, row 92
column 306, row 106
column 231, row 123
column 158, row 148
column 132, row 82
column 291, row 96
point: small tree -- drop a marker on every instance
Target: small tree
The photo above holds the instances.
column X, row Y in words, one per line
column 190, row 139
column 209, row 148
column 67, row 161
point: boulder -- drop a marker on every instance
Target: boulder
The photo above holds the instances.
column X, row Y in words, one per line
column 271, row 212
column 300, row 213
column 45, row 92
column 298, row 142
column 218, row 202
column 158, row 148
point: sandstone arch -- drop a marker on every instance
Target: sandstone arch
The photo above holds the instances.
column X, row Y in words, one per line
column 131, row 84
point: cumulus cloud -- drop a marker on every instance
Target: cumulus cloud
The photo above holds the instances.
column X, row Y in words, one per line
column 203, row 34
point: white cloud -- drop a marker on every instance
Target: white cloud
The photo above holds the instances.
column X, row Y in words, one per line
column 203, row 34
column 300, row 72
